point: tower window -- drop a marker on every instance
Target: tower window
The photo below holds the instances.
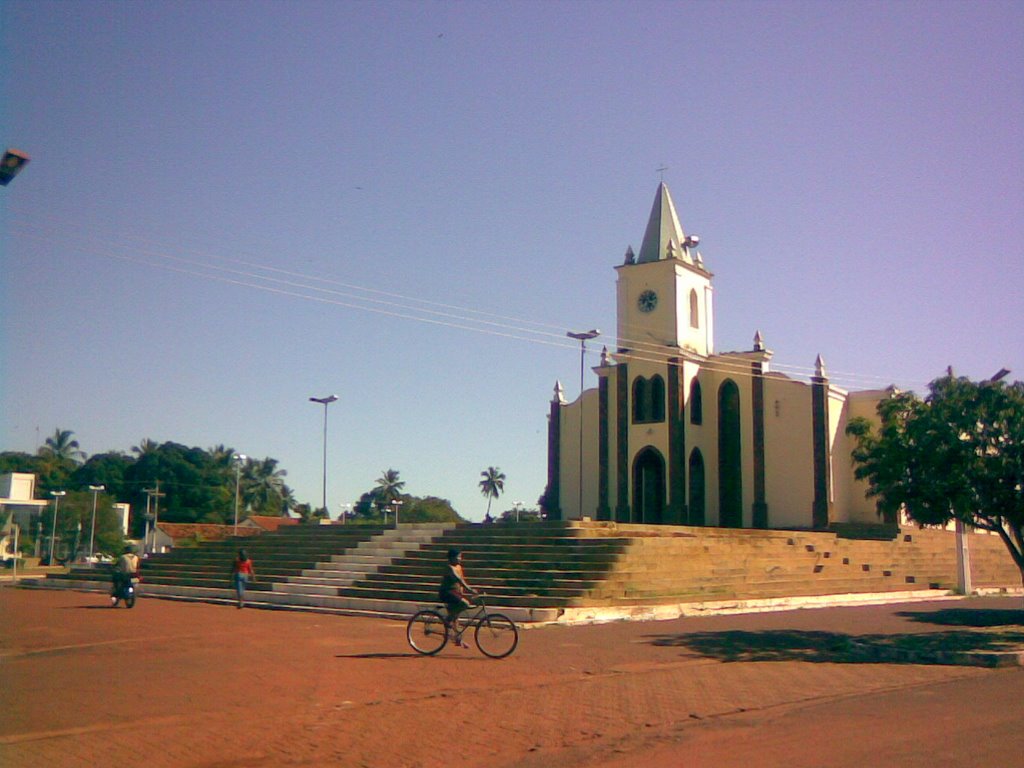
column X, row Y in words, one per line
column 640, row 399
column 657, row 394
column 694, row 310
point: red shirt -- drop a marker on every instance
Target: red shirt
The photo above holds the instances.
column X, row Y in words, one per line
column 243, row 566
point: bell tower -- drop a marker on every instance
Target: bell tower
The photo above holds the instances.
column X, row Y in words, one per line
column 664, row 294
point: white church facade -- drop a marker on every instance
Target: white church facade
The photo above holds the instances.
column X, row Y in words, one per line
column 678, row 433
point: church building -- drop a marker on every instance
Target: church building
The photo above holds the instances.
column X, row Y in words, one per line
column 679, row 433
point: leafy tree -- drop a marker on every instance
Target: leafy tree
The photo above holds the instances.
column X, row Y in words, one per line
column 107, row 469
column 16, row 461
column 492, row 485
column 958, row 454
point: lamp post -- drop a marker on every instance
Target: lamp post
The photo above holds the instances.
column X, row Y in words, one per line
column 53, row 529
column 583, row 337
column 517, row 506
column 325, row 401
column 345, row 510
column 239, row 459
column 92, row 530
column 396, row 503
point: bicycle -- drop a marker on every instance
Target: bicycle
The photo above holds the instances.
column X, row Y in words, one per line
column 430, row 630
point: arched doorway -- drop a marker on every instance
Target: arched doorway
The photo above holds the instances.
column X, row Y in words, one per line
column 696, row 496
column 730, row 457
column 649, row 487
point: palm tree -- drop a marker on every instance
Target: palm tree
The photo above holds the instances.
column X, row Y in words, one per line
column 263, row 486
column 388, row 488
column 492, row 485
column 221, row 455
column 145, row 447
column 62, row 447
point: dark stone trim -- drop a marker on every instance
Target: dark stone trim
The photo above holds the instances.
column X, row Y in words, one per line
column 622, row 414
column 759, row 511
column 552, row 494
column 821, row 508
column 676, row 511
column 604, row 512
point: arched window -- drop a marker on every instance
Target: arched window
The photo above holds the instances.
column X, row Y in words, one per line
column 657, row 393
column 640, row 399
column 730, row 457
column 694, row 310
column 696, row 496
column 696, row 403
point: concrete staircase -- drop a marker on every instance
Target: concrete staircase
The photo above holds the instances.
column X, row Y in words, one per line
column 540, row 572
column 712, row 564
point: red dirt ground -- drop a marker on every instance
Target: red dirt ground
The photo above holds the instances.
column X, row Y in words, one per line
column 189, row 685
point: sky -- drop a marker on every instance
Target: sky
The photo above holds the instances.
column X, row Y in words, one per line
column 232, row 207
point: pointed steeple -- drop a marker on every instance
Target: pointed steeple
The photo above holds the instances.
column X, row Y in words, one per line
column 664, row 235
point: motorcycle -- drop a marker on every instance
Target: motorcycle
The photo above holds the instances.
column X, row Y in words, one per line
column 124, row 589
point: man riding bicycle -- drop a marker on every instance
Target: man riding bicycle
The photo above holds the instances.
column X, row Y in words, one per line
column 453, row 591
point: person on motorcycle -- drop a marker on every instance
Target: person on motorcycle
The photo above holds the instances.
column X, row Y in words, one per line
column 126, row 567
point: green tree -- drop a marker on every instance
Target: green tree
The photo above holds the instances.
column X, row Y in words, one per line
column 107, row 469
column 388, row 488
column 63, row 447
column 958, row 454
column 264, row 489
column 492, row 485
column 17, row 461
column 58, row 458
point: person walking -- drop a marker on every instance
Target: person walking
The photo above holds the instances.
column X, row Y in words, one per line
column 242, row 573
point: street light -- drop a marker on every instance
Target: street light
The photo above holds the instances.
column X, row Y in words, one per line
column 325, row 401
column 92, row 531
column 53, row 530
column 239, row 459
column 517, row 506
column 397, row 503
column 583, row 337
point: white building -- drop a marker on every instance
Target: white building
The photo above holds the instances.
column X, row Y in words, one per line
column 677, row 433
column 17, row 497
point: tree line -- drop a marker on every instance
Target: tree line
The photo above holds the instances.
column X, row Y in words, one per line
column 195, row 485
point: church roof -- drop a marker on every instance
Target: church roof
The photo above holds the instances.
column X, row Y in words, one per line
column 664, row 237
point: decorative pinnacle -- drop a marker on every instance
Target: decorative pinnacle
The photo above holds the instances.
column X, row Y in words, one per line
column 819, row 367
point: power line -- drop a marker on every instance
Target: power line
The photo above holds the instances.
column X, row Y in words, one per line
column 306, row 287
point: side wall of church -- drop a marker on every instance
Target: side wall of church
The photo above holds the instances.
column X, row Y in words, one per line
column 789, row 459
column 569, row 448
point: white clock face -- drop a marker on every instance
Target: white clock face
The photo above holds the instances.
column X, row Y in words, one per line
column 647, row 301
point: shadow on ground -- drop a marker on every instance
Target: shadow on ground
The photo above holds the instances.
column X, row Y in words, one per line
column 793, row 645
column 967, row 617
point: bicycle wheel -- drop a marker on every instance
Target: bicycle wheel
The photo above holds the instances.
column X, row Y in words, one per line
column 496, row 636
column 427, row 632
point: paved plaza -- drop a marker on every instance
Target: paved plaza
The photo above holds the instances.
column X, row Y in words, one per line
column 206, row 686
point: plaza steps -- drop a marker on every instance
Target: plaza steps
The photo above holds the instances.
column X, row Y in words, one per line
column 540, row 571
column 701, row 564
